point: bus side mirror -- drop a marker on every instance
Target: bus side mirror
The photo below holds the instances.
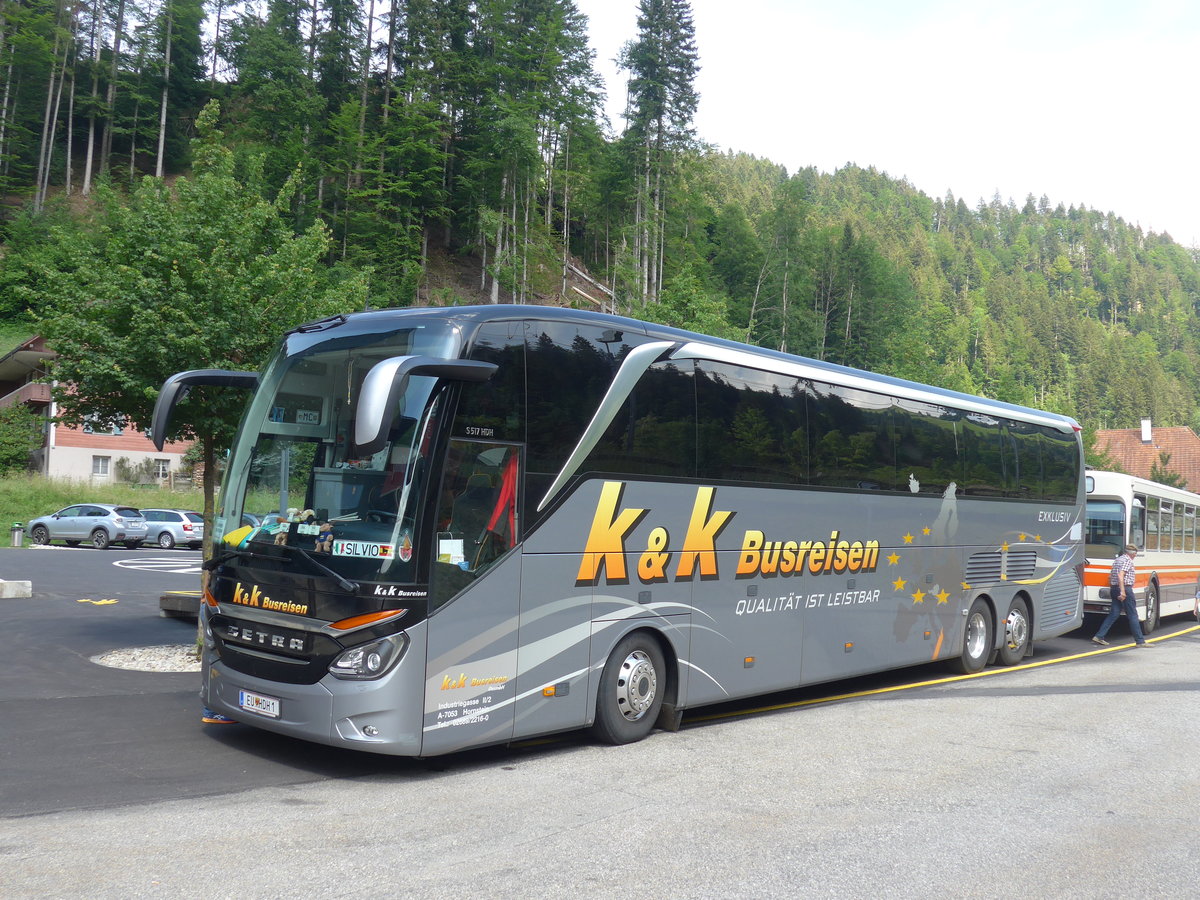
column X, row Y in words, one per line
column 385, row 384
column 176, row 388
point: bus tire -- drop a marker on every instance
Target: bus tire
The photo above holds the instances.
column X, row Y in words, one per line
column 1152, row 609
column 1017, row 633
column 632, row 686
column 977, row 639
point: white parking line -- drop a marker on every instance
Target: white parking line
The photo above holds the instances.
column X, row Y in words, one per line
column 158, row 564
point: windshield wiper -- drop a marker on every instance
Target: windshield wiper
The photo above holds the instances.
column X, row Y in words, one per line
column 343, row 583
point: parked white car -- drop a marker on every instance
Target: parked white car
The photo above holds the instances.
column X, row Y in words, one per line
column 168, row 527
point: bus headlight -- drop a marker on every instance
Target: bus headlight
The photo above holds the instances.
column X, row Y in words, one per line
column 370, row 660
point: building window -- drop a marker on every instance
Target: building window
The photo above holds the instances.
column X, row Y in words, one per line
column 161, row 468
column 100, row 466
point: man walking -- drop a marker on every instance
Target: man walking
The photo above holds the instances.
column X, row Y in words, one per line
column 1120, row 589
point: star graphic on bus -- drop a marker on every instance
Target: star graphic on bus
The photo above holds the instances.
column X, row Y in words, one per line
column 908, row 538
column 899, row 584
column 919, row 596
column 943, row 596
column 893, row 559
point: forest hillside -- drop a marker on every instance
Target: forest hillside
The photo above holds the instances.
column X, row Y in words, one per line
column 452, row 151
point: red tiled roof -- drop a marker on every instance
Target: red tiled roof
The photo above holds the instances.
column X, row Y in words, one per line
column 1125, row 446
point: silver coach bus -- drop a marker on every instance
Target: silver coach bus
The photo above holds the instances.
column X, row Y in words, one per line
column 497, row 522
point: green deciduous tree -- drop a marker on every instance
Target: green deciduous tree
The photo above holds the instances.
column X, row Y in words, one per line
column 205, row 275
column 20, row 435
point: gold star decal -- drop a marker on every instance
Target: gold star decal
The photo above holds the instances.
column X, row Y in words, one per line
column 1004, row 546
column 908, row 538
column 893, row 559
column 919, row 597
column 966, row 587
column 899, row 584
column 925, row 530
column 1021, row 537
column 1038, row 538
column 943, row 597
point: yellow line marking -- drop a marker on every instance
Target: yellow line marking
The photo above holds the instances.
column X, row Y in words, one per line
column 950, row 679
column 98, row 602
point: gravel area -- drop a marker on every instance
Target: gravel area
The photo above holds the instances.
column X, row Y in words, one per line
column 168, row 658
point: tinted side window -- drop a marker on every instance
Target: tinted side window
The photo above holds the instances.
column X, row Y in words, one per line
column 569, row 369
column 851, row 439
column 1026, row 444
column 928, row 447
column 496, row 408
column 986, row 458
column 655, row 431
column 1060, row 465
column 752, row 425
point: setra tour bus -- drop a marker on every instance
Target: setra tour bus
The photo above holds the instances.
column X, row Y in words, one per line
column 497, row 522
column 1161, row 522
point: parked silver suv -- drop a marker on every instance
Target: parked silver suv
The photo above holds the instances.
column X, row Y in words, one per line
column 100, row 523
column 168, row 527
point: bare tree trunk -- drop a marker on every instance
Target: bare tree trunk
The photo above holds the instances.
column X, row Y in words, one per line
column 110, row 97
column 162, row 110
column 362, row 108
column 8, row 71
column 91, row 141
column 216, row 42
column 499, row 255
column 566, row 215
column 48, row 115
column 387, row 97
column 69, row 175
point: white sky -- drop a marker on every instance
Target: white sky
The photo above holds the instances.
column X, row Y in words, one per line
column 1091, row 102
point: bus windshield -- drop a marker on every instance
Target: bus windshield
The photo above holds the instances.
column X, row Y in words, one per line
column 1105, row 528
column 299, row 482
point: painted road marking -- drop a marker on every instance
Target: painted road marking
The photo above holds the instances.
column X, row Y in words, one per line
column 108, row 602
column 158, row 564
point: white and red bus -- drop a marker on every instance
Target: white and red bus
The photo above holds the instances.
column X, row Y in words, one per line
column 1161, row 522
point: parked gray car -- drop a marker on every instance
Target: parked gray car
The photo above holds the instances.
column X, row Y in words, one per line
column 100, row 523
column 168, row 527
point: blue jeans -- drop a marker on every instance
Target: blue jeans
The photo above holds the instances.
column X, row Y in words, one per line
column 1127, row 603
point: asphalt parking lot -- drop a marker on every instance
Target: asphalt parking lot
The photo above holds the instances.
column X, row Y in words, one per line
column 1072, row 779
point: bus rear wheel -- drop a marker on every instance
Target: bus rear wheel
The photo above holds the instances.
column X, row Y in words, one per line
column 1017, row 634
column 631, row 691
column 977, row 639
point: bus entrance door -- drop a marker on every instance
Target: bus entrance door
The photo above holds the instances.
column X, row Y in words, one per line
column 474, row 590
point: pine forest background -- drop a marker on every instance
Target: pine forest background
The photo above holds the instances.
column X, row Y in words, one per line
column 455, row 151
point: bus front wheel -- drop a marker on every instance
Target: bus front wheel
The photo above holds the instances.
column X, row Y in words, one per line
column 1151, row 609
column 1017, row 634
column 631, row 691
column 977, row 639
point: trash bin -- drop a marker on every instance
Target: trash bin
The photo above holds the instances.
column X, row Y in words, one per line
column 18, row 533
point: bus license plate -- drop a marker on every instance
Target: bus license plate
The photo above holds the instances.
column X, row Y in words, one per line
column 257, row 703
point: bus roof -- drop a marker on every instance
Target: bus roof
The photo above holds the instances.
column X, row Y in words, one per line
column 470, row 317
